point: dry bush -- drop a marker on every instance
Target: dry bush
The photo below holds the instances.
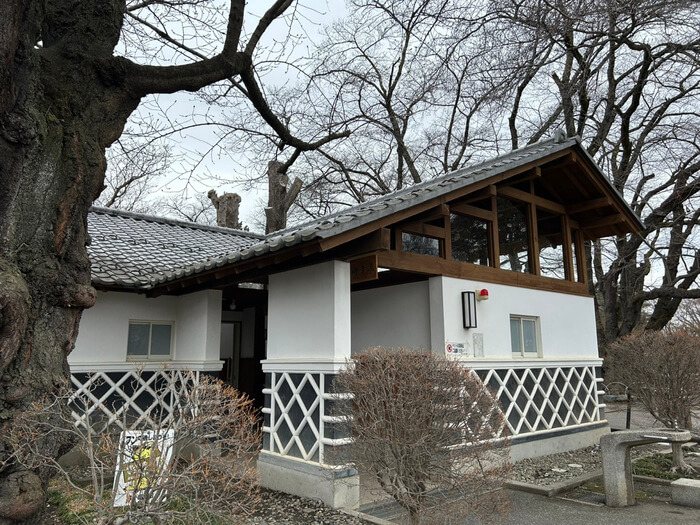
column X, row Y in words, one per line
column 425, row 428
column 211, row 477
column 662, row 370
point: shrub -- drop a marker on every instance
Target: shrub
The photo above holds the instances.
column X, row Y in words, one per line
column 426, row 429
column 210, row 478
column 662, row 370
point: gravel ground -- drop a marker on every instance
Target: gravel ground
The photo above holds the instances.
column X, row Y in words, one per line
column 280, row 508
column 547, row 470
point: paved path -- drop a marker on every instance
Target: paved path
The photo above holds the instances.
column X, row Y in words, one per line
column 570, row 509
column 531, row 509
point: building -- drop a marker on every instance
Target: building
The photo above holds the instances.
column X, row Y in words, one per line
column 279, row 315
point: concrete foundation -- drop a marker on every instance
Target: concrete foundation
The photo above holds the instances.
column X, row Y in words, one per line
column 334, row 486
column 556, row 441
column 686, row 492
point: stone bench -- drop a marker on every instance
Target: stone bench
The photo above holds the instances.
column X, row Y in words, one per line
column 617, row 466
column 686, row 492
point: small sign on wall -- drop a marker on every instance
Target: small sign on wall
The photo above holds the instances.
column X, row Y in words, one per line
column 458, row 349
column 364, row 269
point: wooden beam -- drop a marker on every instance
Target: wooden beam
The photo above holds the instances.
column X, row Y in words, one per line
column 427, row 230
column 377, row 240
column 567, row 249
column 524, row 196
column 473, row 211
column 588, row 205
column 233, row 270
column 494, row 243
column 610, row 220
column 533, row 240
column 427, row 265
column 485, row 193
column 447, row 241
column 580, row 257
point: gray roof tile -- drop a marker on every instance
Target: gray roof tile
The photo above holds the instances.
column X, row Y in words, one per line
column 134, row 250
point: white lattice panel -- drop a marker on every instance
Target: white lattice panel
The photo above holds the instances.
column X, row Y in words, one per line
column 537, row 399
column 132, row 399
column 296, row 415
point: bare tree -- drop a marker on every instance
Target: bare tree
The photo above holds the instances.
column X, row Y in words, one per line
column 410, row 80
column 280, row 197
column 226, row 209
column 625, row 77
column 132, row 169
column 425, row 428
column 201, row 455
column 65, row 96
column 688, row 317
column 195, row 208
column 662, row 370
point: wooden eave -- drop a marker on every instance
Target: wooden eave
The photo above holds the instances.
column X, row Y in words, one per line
column 575, row 186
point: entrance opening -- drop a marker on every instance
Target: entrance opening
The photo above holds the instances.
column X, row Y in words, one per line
column 244, row 340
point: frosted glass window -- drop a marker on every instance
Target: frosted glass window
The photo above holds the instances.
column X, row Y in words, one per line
column 160, row 339
column 139, row 334
column 149, row 340
column 524, row 336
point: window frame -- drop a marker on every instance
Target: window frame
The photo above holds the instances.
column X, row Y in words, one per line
column 538, row 339
column 149, row 356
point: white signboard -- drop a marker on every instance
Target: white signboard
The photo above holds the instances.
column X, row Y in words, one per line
column 143, row 457
column 457, row 349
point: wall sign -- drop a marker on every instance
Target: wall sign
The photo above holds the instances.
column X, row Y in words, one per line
column 144, row 456
column 364, row 269
column 457, row 349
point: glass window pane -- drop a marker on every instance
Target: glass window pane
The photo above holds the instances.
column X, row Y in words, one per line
column 138, row 339
column 515, row 336
column 551, row 251
column 513, row 236
column 470, row 239
column 529, row 336
column 160, row 339
column 420, row 244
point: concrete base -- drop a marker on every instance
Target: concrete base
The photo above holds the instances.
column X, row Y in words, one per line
column 557, row 441
column 686, row 492
column 336, row 487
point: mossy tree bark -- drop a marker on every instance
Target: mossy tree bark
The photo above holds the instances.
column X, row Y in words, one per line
column 64, row 98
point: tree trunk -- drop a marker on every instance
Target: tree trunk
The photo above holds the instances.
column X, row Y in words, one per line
column 279, row 198
column 58, row 113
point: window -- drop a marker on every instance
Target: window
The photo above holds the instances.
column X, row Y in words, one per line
column 550, row 240
column 420, row 244
column 524, row 336
column 149, row 340
column 513, row 236
column 470, row 239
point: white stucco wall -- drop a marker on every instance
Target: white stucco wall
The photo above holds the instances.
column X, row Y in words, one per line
column 104, row 329
column 429, row 314
column 567, row 322
column 309, row 313
column 392, row 316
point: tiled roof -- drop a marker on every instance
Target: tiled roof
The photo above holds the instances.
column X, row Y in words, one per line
column 147, row 251
column 134, row 250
